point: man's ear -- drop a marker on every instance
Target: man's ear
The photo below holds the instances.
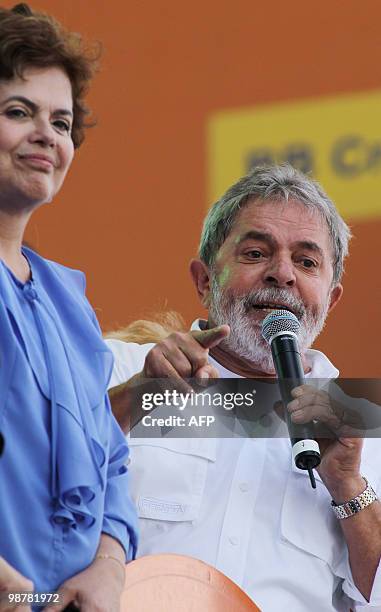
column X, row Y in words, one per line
column 335, row 297
column 201, row 277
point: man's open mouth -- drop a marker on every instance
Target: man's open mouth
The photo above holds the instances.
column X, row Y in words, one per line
column 270, row 306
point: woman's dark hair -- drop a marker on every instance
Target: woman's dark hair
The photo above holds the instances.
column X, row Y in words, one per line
column 32, row 39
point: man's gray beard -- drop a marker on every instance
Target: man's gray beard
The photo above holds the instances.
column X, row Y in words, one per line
column 245, row 338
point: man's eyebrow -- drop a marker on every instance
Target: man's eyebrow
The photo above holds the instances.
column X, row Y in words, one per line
column 309, row 245
column 257, row 235
column 33, row 107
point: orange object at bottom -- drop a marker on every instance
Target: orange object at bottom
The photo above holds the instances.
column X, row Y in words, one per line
column 174, row 583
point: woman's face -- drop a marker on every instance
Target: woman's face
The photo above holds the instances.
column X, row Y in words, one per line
column 36, row 149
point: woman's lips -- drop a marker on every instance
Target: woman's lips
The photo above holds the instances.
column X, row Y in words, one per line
column 38, row 161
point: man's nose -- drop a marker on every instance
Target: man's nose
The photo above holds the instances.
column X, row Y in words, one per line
column 280, row 273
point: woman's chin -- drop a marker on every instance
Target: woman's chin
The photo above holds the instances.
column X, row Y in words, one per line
column 34, row 195
column 40, row 191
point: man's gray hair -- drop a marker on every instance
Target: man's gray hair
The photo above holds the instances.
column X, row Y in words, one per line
column 280, row 183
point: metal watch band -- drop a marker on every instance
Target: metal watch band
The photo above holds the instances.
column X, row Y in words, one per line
column 351, row 507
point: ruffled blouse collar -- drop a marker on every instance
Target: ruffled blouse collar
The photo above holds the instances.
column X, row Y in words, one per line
column 72, row 366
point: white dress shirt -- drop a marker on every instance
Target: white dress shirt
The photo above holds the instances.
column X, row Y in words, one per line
column 241, row 506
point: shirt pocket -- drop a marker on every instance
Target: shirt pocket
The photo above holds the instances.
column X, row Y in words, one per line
column 308, row 522
column 168, row 477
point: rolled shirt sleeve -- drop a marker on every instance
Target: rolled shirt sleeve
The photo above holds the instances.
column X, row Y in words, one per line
column 128, row 360
column 360, row 603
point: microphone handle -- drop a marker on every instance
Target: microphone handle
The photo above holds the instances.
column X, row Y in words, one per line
column 289, row 369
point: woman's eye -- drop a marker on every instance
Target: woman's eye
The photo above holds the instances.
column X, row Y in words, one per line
column 17, row 113
column 61, row 125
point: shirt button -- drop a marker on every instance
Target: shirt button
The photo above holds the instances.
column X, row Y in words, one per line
column 244, row 486
column 233, row 540
column 29, row 292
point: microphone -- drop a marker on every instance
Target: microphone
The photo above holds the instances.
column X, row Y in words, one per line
column 280, row 329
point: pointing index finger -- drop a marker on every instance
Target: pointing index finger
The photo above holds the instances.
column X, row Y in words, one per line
column 209, row 338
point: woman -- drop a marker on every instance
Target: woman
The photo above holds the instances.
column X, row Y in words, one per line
column 66, row 520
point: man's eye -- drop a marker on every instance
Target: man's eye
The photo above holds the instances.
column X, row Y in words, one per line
column 16, row 113
column 253, row 254
column 308, row 263
column 61, row 125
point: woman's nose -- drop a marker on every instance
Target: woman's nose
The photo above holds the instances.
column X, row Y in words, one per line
column 43, row 133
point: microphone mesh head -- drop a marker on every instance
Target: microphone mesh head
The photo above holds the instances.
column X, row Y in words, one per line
column 279, row 321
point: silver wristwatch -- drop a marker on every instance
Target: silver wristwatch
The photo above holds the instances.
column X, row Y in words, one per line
column 351, row 507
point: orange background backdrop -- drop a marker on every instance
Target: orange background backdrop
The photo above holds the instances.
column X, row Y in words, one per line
column 131, row 210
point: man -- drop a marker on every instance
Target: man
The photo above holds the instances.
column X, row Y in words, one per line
column 274, row 240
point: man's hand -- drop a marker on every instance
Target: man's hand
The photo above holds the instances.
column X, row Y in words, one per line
column 341, row 454
column 98, row 588
column 179, row 356
column 12, row 581
column 340, row 472
column 183, row 355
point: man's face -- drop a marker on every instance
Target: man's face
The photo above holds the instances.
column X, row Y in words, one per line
column 277, row 255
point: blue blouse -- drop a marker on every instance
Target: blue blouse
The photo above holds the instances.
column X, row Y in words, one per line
column 63, row 478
